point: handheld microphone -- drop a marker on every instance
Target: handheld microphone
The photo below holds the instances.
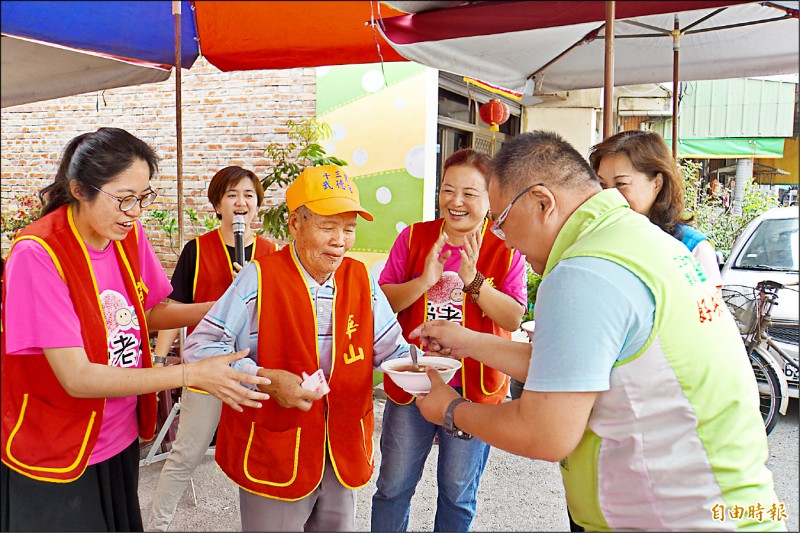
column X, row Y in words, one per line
column 238, row 238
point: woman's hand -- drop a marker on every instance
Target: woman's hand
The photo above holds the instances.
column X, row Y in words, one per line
column 469, row 257
column 434, row 262
column 215, row 376
column 286, row 389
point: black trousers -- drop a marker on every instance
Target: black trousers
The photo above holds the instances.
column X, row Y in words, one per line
column 104, row 498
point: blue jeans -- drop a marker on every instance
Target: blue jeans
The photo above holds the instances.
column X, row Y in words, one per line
column 406, row 441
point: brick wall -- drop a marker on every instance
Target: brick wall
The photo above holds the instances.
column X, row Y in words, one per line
column 228, row 119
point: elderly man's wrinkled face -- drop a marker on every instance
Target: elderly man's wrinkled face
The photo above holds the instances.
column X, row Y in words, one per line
column 321, row 241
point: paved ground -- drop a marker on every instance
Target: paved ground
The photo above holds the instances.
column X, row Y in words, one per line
column 516, row 494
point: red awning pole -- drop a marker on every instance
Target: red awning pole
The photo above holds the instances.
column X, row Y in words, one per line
column 176, row 10
column 608, row 77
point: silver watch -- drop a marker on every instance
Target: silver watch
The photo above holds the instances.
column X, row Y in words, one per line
column 449, row 425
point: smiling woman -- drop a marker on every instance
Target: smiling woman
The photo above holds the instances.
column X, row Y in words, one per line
column 639, row 164
column 450, row 268
column 83, row 286
column 205, row 269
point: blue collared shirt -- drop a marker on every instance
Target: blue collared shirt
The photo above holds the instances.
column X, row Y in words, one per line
column 232, row 323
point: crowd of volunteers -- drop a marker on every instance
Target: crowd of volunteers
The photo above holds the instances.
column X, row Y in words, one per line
column 636, row 380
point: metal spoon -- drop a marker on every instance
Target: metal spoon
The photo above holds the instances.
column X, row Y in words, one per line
column 413, row 353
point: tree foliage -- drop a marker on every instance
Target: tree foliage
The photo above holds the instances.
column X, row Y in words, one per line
column 288, row 161
column 533, row 287
column 714, row 219
column 167, row 222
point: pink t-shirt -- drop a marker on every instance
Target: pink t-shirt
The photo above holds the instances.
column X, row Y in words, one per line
column 40, row 315
column 445, row 298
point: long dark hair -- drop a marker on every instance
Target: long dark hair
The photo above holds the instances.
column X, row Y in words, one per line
column 650, row 155
column 94, row 159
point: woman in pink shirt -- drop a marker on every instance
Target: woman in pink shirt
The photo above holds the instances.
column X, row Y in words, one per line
column 82, row 286
column 450, row 268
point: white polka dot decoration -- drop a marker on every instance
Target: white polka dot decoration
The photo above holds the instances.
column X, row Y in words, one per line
column 415, row 161
column 399, row 102
column 323, row 71
column 360, row 156
column 372, row 81
column 339, row 132
column 383, row 195
column 329, row 146
column 400, row 226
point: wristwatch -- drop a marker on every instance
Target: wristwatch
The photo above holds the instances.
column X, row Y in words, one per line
column 449, row 425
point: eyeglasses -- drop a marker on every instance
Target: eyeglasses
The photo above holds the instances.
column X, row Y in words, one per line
column 126, row 203
column 496, row 229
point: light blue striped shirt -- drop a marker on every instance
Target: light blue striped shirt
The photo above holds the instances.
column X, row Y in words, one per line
column 232, row 323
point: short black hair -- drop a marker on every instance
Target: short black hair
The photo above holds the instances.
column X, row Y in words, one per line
column 541, row 157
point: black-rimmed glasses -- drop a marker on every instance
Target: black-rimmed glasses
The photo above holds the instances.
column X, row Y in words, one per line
column 126, row 203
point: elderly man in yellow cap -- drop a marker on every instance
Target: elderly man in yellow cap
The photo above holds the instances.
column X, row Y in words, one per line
column 305, row 308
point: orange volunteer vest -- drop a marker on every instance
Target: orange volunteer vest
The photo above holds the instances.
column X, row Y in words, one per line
column 480, row 383
column 280, row 453
column 212, row 261
column 46, row 433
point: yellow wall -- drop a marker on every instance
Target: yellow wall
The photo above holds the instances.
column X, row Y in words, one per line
column 789, row 163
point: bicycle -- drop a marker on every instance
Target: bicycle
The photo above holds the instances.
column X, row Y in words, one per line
column 752, row 309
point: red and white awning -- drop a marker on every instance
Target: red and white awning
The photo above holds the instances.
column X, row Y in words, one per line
column 560, row 44
column 33, row 71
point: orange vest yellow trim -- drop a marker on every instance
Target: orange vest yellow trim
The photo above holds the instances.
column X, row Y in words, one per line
column 480, row 383
column 280, row 453
column 213, row 261
column 210, row 281
column 46, row 433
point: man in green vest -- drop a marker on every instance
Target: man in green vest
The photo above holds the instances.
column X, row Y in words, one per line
column 636, row 380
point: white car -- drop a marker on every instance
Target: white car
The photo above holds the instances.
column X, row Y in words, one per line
column 768, row 249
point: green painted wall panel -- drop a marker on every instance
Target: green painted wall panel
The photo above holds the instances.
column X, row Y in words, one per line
column 402, row 195
column 347, row 83
column 380, row 130
column 734, row 108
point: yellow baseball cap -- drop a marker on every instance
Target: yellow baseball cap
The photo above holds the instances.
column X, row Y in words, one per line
column 325, row 190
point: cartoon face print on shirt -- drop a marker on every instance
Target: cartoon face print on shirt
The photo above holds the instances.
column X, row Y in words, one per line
column 121, row 323
column 446, row 298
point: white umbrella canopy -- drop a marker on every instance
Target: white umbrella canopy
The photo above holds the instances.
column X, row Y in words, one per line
column 33, row 71
column 560, row 45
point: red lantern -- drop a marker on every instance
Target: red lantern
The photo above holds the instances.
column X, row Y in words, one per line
column 494, row 113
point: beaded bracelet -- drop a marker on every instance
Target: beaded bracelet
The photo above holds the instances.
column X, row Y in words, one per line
column 475, row 286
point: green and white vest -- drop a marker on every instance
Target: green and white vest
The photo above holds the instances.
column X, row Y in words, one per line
column 677, row 442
